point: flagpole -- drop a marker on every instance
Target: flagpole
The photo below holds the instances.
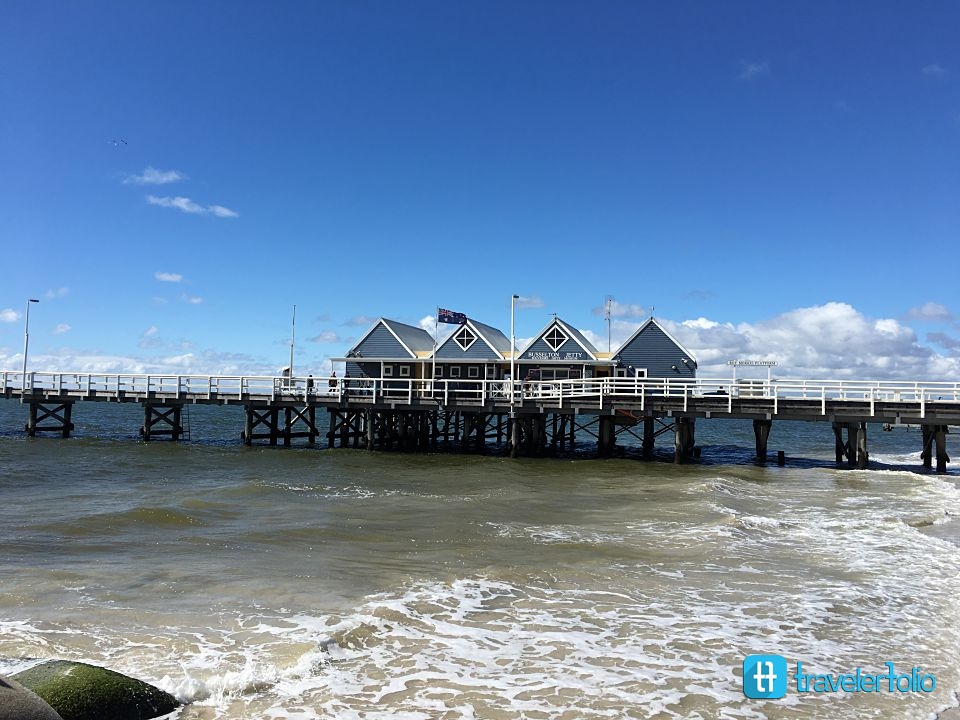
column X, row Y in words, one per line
column 513, row 354
column 433, row 368
column 293, row 330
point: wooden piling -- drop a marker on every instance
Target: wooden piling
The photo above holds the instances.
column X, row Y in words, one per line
column 49, row 417
column 761, row 433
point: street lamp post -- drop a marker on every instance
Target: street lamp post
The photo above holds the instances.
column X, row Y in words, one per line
column 293, row 329
column 513, row 350
column 26, row 341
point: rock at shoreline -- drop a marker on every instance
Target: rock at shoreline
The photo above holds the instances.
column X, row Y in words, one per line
column 19, row 703
column 85, row 692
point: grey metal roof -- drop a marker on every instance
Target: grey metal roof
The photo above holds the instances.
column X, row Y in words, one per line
column 416, row 339
column 578, row 336
column 496, row 339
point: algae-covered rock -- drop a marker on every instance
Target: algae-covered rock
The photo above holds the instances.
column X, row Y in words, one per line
column 18, row 703
column 86, row 692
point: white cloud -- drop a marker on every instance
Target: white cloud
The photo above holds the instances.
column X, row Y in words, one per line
column 524, row 302
column 828, row 341
column 61, row 329
column 700, row 322
column 191, row 299
column 168, row 277
column 180, row 203
column 623, row 310
column 327, row 336
column 931, row 311
column 221, row 211
column 152, row 176
column 752, row 70
column 192, row 363
column 359, row 321
column 428, row 323
column 944, row 340
column 56, row 293
column 933, row 70
column 185, row 204
column 834, row 341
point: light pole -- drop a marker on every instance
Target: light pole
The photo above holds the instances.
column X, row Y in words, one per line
column 607, row 313
column 26, row 340
column 513, row 349
column 293, row 328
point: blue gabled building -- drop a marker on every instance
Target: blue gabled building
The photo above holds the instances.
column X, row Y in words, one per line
column 390, row 349
column 652, row 352
column 560, row 352
column 474, row 351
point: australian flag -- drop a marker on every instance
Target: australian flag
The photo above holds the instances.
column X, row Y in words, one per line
column 449, row 316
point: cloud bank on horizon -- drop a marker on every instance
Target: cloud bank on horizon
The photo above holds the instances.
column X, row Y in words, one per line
column 829, row 341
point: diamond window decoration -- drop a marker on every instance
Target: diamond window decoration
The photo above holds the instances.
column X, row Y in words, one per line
column 464, row 338
column 555, row 338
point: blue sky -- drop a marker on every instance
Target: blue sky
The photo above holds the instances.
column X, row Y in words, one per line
column 771, row 180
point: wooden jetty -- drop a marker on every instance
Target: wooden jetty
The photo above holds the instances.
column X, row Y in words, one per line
column 526, row 417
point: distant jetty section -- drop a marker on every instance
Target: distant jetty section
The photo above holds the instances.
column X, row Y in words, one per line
column 529, row 417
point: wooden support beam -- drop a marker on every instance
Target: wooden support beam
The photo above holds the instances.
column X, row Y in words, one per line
column 940, row 433
column 161, row 420
column 761, row 433
column 649, row 441
column 683, row 446
column 927, row 439
column 56, row 416
column 854, row 449
column 607, row 440
column 863, row 457
column 294, row 417
column 269, row 418
column 839, row 447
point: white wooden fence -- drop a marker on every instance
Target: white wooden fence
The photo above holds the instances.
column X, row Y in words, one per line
column 199, row 388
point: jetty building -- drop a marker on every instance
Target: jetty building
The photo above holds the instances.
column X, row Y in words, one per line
column 405, row 389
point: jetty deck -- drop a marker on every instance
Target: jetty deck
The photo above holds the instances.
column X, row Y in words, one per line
column 413, row 413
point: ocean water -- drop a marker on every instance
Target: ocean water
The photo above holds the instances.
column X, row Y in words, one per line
column 309, row 583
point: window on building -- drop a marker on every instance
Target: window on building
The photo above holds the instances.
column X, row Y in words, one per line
column 555, row 338
column 388, row 370
column 404, row 371
column 464, row 337
column 473, row 371
column 491, row 372
column 438, row 371
column 454, row 372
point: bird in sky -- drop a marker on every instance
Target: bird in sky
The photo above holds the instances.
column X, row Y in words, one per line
column 117, row 142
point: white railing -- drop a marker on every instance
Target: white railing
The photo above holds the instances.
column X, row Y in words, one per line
column 447, row 392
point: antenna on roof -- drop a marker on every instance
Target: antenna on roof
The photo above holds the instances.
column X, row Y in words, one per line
column 607, row 312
